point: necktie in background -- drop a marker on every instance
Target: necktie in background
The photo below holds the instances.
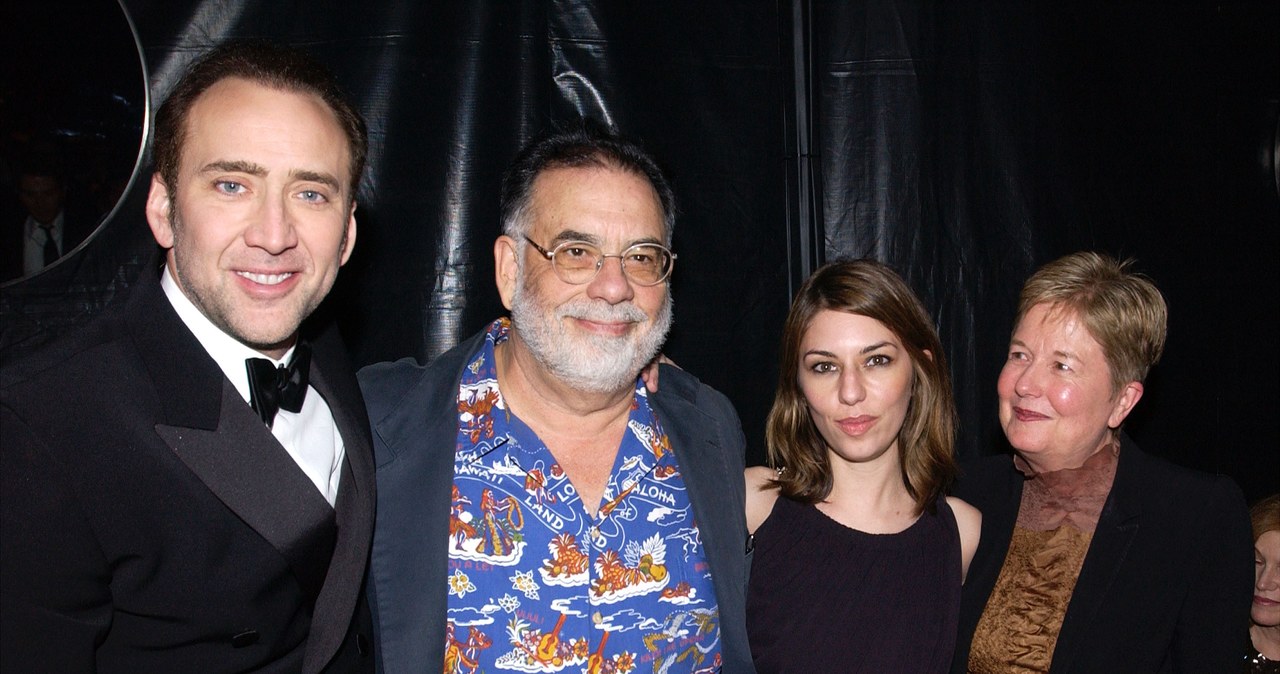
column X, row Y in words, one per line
column 50, row 246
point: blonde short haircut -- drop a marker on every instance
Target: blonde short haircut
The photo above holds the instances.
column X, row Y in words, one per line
column 1123, row 310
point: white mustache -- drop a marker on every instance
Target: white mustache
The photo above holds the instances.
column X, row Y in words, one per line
column 602, row 311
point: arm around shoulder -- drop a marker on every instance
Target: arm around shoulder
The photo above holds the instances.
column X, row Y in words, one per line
column 969, row 524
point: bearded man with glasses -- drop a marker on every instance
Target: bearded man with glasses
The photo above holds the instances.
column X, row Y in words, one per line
column 538, row 508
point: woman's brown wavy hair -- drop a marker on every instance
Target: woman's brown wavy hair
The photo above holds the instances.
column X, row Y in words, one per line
column 926, row 440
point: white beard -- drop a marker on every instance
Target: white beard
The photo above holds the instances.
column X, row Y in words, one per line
column 588, row 363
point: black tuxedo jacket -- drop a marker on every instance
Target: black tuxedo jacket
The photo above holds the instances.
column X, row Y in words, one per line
column 1166, row 583
column 150, row 522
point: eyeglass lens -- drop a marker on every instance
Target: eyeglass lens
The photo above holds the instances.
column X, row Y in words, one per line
column 578, row 262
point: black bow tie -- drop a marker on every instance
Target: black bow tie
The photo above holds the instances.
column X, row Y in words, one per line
column 272, row 388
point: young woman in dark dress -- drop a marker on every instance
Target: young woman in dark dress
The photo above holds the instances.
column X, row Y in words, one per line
column 858, row 556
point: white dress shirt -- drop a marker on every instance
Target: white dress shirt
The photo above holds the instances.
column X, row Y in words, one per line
column 33, row 243
column 310, row 436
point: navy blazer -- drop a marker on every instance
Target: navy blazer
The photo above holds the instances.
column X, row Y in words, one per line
column 414, row 411
column 150, row 522
column 1166, row 583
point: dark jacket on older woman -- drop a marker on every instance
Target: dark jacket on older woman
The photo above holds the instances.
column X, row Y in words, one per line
column 1167, row 580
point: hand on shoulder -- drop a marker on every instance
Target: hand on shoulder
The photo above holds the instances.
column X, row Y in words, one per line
column 969, row 523
column 760, row 496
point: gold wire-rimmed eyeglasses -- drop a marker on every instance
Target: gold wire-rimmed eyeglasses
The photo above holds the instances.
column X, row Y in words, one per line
column 577, row 262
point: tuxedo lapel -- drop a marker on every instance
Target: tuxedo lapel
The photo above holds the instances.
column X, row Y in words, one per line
column 354, row 512
column 1117, row 526
column 247, row 469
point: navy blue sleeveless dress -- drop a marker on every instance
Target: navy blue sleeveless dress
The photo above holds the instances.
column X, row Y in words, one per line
column 826, row 598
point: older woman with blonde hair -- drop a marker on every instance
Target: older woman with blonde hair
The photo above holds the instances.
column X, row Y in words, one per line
column 858, row 553
column 1095, row 556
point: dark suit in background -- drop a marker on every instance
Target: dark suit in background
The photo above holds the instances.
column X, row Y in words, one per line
column 152, row 523
column 1165, row 585
column 77, row 225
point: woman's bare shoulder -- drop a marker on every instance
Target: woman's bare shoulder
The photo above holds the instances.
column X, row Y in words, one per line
column 969, row 524
column 760, row 495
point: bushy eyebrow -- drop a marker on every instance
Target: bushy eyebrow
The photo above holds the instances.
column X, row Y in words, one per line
column 257, row 170
column 316, row 177
column 235, row 166
column 575, row 235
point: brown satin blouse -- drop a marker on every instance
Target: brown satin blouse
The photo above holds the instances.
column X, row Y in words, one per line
column 1056, row 519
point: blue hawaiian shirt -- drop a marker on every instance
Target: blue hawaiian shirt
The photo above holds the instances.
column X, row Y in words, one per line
column 536, row 584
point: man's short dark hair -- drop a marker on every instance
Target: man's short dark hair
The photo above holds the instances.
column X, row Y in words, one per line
column 275, row 66
column 587, row 146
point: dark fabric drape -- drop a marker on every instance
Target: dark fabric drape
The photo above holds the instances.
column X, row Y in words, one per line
column 963, row 143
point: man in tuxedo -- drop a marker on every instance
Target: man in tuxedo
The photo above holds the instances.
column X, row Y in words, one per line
column 538, row 508
column 187, row 482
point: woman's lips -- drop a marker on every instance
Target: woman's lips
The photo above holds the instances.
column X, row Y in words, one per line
column 1263, row 601
column 1024, row 414
column 857, row 425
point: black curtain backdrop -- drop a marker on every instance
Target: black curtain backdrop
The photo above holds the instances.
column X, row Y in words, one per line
column 963, row 143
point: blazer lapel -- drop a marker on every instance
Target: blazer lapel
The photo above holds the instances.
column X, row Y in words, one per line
column 999, row 516
column 1117, row 526
column 699, row 457
column 354, row 510
column 417, row 435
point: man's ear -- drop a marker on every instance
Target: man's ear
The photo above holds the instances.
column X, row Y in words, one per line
column 349, row 239
column 1129, row 396
column 506, row 268
column 159, row 206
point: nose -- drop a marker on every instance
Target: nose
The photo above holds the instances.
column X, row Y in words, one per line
column 272, row 228
column 1028, row 382
column 610, row 283
column 1268, row 577
column 852, row 388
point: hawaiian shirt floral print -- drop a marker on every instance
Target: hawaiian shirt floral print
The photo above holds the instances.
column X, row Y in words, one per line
column 537, row 585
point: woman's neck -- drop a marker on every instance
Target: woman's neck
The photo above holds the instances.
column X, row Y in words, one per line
column 1266, row 640
column 870, row 497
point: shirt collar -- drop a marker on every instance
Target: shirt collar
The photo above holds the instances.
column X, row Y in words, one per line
column 56, row 230
column 227, row 351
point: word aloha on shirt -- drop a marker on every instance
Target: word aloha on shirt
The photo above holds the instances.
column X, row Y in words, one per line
column 537, row 585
